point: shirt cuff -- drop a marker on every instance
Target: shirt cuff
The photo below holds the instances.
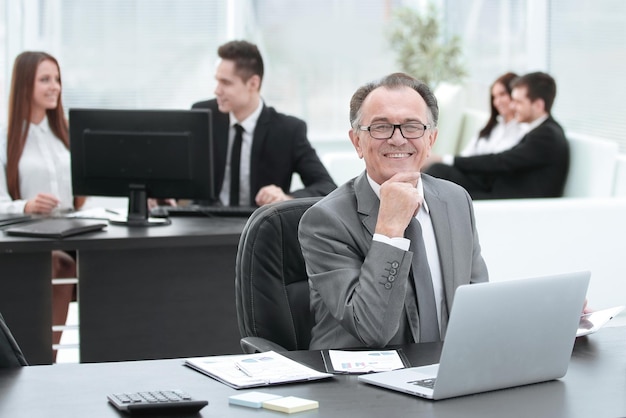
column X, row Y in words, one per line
column 398, row 242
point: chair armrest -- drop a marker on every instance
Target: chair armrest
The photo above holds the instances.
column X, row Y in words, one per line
column 251, row 345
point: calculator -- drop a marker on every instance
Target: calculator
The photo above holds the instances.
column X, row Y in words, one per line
column 157, row 401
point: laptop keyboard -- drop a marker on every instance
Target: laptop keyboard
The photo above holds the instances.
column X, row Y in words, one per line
column 425, row 383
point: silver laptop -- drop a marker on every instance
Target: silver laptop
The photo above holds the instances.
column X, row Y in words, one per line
column 500, row 335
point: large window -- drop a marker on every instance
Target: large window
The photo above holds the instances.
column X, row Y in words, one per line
column 579, row 42
column 586, row 45
column 319, row 52
column 162, row 53
column 122, row 53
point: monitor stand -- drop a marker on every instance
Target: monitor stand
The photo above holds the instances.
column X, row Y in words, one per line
column 138, row 214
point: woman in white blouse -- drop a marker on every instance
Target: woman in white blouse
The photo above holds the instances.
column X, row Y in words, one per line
column 502, row 130
column 35, row 157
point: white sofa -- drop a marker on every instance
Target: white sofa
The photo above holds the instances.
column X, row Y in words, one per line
column 343, row 165
column 592, row 166
column 451, row 99
column 619, row 181
column 531, row 237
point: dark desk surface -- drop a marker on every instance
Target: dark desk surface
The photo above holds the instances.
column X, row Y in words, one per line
column 595, row 385
column 182, row 232
column 136, row 286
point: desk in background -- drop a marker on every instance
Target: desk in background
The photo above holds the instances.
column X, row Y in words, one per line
column 144, row 293
column 594, row 385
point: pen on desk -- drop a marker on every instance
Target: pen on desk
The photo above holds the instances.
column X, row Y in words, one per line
column 111, row 211
column 243, row 369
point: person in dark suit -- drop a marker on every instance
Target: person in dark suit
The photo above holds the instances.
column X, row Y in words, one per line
column 536, row 167
column 369, row 283
column 274, row 146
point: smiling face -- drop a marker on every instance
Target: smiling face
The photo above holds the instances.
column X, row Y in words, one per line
column 526, row 110
column 233, row 93
column 46, row 90
column 386, row 157
column 502, row 101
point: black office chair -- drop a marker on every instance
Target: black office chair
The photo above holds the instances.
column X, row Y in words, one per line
column 10, row 353
column 271, row 284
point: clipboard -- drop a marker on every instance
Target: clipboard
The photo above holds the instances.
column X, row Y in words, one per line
column 55, row 228
column 591, row 322
column 254, row 370
column 10, row 219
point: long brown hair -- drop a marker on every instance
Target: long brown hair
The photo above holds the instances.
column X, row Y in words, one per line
column 506, row 80
column 20, row 111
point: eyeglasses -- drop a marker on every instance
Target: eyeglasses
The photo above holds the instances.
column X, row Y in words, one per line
column 410, row 130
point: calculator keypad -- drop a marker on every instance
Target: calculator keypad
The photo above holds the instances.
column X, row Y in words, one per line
column 170, row 399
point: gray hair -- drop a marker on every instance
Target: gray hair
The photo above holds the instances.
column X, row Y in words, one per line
column 394, row 81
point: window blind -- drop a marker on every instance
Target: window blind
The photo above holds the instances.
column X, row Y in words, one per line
column 136, row 54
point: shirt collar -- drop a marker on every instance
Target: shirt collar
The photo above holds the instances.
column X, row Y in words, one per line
column 248, row 123
column 42, row 126
column 420, row 191
column 501, row 121
column 532, row 125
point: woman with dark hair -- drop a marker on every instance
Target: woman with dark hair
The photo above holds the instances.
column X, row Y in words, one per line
column 501, row 132
column 35, row 157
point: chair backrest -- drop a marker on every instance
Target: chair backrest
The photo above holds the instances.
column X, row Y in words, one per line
column 271, row 284
column 451, row 99
column 619, row 182
column 592, row 166
column 10, row 353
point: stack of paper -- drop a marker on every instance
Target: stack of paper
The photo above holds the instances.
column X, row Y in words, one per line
column 290, row 404
column 252, row 399
column 252, row 370
column 287, row 404
column 363, row 361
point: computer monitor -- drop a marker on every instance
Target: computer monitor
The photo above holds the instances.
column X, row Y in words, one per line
column 142, row 154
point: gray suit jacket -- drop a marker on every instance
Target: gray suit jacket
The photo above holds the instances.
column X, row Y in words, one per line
column 352, row 300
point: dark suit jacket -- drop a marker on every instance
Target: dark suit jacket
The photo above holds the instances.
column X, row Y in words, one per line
column 279, row 148
column 536, row 167
column 355, row 301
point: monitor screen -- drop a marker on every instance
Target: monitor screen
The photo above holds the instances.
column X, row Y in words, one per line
column 142, row 154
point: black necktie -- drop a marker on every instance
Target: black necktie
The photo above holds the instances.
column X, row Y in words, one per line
column 427, row 309
column 235, row 157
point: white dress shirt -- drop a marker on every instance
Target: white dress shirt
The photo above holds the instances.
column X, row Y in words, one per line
column 246, row 149
column 503, row 136
column 43, row 168
column 428, row 233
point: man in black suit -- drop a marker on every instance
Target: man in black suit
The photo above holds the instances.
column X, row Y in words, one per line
column 273, row 145
column 536, row 167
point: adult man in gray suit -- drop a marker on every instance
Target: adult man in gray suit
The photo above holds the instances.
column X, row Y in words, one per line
column 365, row 292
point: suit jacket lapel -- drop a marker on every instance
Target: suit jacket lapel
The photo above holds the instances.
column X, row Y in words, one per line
column 443, row 236
column 258, row 140
column 367, row 202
